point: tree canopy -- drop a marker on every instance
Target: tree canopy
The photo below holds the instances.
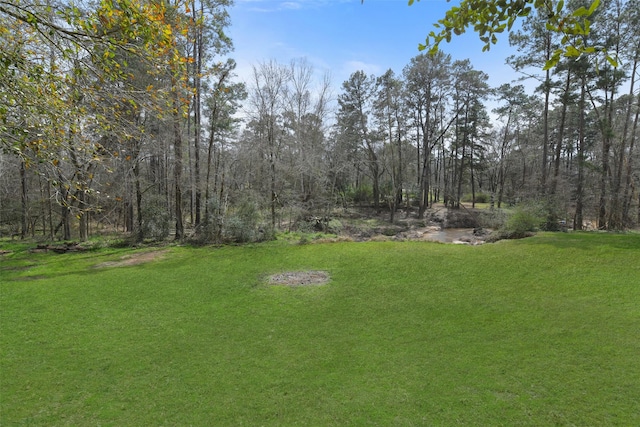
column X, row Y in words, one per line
column 124, row 116
column 488, row 18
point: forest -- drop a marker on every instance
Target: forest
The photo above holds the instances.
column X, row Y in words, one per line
column 128, row 117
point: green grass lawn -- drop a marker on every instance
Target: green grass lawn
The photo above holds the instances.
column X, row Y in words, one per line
column 535, row 332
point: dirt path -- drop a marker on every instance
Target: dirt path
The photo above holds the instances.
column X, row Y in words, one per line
column 135, row 259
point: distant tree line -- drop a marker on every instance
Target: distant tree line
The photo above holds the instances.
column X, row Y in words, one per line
column 130, row 119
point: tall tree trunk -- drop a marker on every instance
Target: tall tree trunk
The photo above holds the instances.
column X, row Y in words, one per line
column 558, row 150
column 136, row 177
column 221, row 210
column 43, row 205
column 65, row 221
column 272, row 172
column 426, row 165
column 445, row 176
column 465, row 135
column 617, row 216
column 418, row 140
column 210, row 150
column 177, row 172
column 83, row 216
column 460, row 175
column 50, row 211
column 604, row 175
column 375, row 171
column 473, row 181
column 400, row 170
column 628, row 194
column 605, row 123
column 24, row 201
column 424, row 178
column 545, row 119
column 197, row 110
column 501, row 166
column 577, row 220
column 65, row 217
column 272, row 187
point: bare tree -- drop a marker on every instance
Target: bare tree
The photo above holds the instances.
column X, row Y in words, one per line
column 269, row 86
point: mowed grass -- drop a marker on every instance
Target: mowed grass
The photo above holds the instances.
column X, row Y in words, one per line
column 536, row 332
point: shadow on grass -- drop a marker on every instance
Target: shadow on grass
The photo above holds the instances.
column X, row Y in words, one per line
column 26, row 265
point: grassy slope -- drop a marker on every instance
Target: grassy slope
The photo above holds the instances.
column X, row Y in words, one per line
column 543, row 331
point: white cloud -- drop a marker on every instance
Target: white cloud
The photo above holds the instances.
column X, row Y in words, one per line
column 290, row 5
column 351, row 67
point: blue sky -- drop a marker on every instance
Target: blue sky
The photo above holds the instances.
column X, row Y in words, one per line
column 343, row 36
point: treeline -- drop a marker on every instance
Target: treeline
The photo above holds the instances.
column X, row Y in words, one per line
column 155, row 139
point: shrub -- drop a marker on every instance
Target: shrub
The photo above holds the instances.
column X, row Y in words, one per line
column 360, row 194
column 244, row 225
column 492, row 218
column 304, row 239
column 312, row 224
column 483, row 198
column 211, row 227
column 552, row 217
column 309, row 223
column 334, row 226
column 526, row 218
column 480, row 198
column 389, row 231
column 156, row 222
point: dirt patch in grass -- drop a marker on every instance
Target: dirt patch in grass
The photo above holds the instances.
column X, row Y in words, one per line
column 134, row 259
column 29, row 278
column 299, row 278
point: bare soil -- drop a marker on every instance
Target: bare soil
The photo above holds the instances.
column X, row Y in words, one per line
column 300, row 278
column 135, row 259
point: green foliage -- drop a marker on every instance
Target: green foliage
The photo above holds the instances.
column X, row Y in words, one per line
column 525, row 219
column 361, row 194
column 308, row 223
column 539, row 331
column 334, row 226
column 480, row 198
column 491, row 18
column 243, row 225
column 213, row 223
column 9, row 217
column 554, row 218
column 96, row 41
column 492, row 218
column 156, row 221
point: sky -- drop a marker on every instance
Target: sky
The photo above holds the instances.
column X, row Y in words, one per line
column 344, row 36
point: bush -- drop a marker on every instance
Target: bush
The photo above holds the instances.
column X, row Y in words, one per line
column 483, row 198
column 552, row 218
column 480, row 198
column 492, row 218
column 156, row 221
column 308, row 223
column 313, row 224
column 244, row 225
column 361, row 194
column 210, row 228
column 526, row 219
column 334, row 226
